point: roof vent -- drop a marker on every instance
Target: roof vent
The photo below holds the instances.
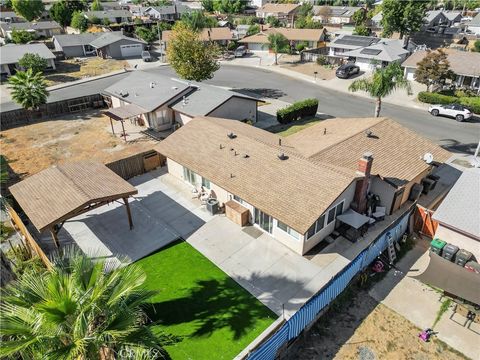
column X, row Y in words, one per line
column 282, row 156
column 152, row 85
column 184, row 100
column 174, row 88
column 124, row 93
column 246, row 156
column 369, row 133
column 231, row 135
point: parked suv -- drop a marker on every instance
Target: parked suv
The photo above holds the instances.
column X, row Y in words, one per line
column 458, row 112
column 146, row 56
column 347, row 70
column 240, row 51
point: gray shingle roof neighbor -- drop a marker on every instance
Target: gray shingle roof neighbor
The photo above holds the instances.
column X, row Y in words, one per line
column 112, row 37
column 10, row 54
column 340, row 11
column 108, row 13
column 164, row 10
column 461, row 208
column 76, row 39
column 475, row 21
column 352, row 42
column 385, row 50
column 40, row 25
column 147, row 90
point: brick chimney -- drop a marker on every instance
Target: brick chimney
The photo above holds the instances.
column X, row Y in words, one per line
column 364, row 168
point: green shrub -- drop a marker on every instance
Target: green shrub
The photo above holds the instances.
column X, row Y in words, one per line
column 473, row 103
column 297, row 110
column 322, row 60
column 465, row 93
column 434, row 98
column 232, row 45
column 300, row 47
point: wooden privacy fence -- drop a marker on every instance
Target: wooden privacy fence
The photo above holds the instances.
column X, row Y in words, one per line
column 20, row 117
column 137, row 164
column 423, row 222
column 29, row 240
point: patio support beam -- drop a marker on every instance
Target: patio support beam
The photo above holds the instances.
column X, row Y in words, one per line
column 111, row 124
column 129, row 214
column 55, row 238
column 124, row 133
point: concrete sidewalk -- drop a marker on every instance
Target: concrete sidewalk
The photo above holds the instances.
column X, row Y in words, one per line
column 419, row 303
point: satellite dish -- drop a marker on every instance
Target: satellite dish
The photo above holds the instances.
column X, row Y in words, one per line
column 428, row 158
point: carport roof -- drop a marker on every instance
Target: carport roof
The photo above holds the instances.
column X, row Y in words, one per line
column 125, row 112
column 60, row 192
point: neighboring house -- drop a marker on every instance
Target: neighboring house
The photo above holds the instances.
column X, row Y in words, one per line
column 344, row 43
column 441, row 17
column 458, row 216
column 10, row 55
column 10, row 17
column 334, row 14
column 114, row 16
column 166, row 12
column 466, row 65
column 76, row 45
column 312, row 38
column 226, row 23
column 301, row 188
column 376, row 21
column 474, row 25
column 117, row 46
column 112, row 5
column 283, row 12
column 241, row 31
column 219, row 35
column 162, row 102
column 37, row 29
column 380, row 54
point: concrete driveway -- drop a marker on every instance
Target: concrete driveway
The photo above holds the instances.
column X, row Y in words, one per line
column 162, row 212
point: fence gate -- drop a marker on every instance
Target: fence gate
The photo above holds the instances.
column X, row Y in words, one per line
column 423, row 222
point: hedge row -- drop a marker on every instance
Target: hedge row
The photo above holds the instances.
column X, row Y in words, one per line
column 473, row 103
column 297, row 111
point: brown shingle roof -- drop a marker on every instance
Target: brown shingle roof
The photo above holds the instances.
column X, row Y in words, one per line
column 289, row 190
column 461, row 62
column 278, row 8
column 290, row 34
column 213, row 34
column 397, row 151
column 58, row 191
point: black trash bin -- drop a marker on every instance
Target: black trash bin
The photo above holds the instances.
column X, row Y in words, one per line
column 462, row 257
column 449, row 251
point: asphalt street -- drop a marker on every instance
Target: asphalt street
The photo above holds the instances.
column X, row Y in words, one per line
column 454, row 136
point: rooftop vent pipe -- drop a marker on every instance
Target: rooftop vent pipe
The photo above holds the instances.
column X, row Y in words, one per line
column 282, row 156
column 231, row 135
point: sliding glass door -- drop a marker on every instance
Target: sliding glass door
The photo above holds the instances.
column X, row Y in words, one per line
column 263, row 220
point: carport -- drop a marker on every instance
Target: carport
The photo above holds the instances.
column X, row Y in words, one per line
column 52, row 196
column 122, row 113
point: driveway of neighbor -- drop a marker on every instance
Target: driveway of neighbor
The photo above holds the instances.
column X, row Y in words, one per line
column 419, row 303
column 162, row 212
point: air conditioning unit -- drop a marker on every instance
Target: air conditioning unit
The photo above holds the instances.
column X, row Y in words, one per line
column 415, row 192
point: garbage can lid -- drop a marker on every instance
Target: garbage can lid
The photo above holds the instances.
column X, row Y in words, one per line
column 437, row 243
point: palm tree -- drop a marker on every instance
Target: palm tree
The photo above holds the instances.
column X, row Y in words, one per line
column 382, row 83
column 28, row 89
column 80, row 309
column 277, row 42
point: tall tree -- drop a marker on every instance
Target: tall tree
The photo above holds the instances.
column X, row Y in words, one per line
column 196, row 20
column 21, row 36
column 382, row 83
column 28, row 89
column 404, row 17
column 96, row 5
column 79, row 21
column 29, row 9
column 191, row 58
column 207, row 5
column 61, row 13
column 80, row 309
column 146, row 34
column 433, row 69
column 34, row 62
column 277, row 43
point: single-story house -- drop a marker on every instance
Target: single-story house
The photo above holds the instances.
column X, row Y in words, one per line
column 37, row 29
column 313, row 38
column 163, row 103
column 458, row 216
column 474, row 25
column 75, row 45
column 10, row 55
column 114, row 16
column 345, row 43
column 241, row 31
column 376, row 21
column 334, row 14
column 441, row 17
column 380, row 54
column 219, row 35
column 10, row 17
column 166, row 12
column 466, row 65
column 301, row 188
column 117, row 46
column 283, row 12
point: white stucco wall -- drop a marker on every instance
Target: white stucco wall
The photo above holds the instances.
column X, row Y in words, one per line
column 462, row 241
column 474, row 29
column 182, row 119
column 237, row 109
column 409, row 74
column 385, row 191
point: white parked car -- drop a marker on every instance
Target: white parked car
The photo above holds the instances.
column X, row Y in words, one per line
column 458, row 112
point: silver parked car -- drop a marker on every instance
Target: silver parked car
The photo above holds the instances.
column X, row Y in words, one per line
column 458, row 112
column 146, row 56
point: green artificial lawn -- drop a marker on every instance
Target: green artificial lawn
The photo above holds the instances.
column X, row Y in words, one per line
column 205, row 313
column 293, row 127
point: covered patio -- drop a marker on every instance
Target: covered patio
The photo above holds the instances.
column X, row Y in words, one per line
column 57, row 194
column 130, row 112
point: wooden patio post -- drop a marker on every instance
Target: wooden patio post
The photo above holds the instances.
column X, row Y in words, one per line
column 111, row 124
column 129, row 214
column 55, row 238
column 124, row 133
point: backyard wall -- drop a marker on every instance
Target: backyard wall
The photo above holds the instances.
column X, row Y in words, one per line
column 385, row 191
column 462, row 241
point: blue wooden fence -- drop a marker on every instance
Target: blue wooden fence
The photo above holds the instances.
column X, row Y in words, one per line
column 309, row 311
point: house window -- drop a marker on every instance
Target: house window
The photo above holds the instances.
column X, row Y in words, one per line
column 288, row 230
column 238, row 199
column 331, row 215
column 189, row 176
column 316, row 227
column 205, row 183
column 339, row 209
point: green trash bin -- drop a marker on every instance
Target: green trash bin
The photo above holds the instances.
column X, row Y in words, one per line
column 437, row 246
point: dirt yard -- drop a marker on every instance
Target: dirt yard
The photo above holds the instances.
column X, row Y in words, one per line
column 35, row 147
column 72, row 69
column 292, row 62
column 365, row 330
